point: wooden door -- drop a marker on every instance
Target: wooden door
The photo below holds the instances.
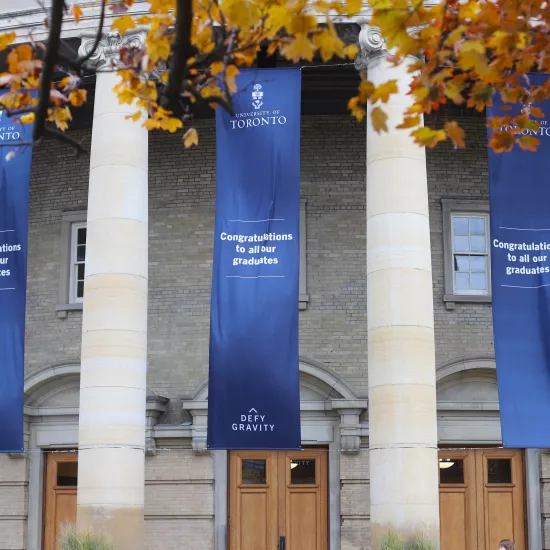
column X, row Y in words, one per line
column 278, row 496
column 500, row 497
column 481, row 496
column 59, row 496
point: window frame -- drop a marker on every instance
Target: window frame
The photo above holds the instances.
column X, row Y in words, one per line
column 66, row 302
column 73, row 262
column 454, row 208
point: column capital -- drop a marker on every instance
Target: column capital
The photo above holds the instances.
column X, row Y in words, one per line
column 109, row 45
column 371, row 44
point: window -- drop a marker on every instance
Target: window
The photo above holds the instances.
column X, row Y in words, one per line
column 466, row 252
column 72, row 258
column 78, row 257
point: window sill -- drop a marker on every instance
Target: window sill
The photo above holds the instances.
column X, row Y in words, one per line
column 451, row 299
column 62, row 310
column 304, row 300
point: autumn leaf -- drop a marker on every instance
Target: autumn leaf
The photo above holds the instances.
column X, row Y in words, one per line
column 501, row 141
column 299, row 48
column 356, row 109
column 6, row 39
column 383, row 91
column 410, row 122
column 77, row 12
column 231, row 74
column 379, row 119
column 123, row 24
column 134, row 116
column 190, row 138
column 78, row 97
column 27, row 118
column 353, row 7
column 428, row 137
column 456, row 133
column 170, row 124
column 528, row 143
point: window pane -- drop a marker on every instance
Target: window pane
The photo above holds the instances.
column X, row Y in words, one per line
column 460, row 226
column 462, row 281
column 477, row 264
column 477, row 226
column 80, row 289
column 254, row 472
column 462, row 244
column 302, row 472
column 67, row 474
column 462, row 263
column 477, row 244
column 478, row 281
column 451, row 470
column 81, row 253
column 80, row 272
column 499, row 470
column 81, row 236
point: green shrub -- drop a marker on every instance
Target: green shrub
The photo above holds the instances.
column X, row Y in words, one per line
column 71, row 539
column 391, row 541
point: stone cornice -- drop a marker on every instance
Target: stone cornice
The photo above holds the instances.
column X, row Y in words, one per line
column 109, row 45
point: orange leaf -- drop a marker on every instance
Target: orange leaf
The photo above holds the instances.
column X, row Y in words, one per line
column 456, row 133
column 77, row 97
column 77, row 13
column 410, row 122
column 379, row 119
column 501, row 141
column 6, row 39
column 190, row 138
column 528, row 143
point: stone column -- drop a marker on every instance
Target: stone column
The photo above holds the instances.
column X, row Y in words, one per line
column 401, row 351
column 111, row 450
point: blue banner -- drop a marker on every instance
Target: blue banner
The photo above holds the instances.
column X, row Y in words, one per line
column 520, row 274
column 253, row 393
column 15, row 170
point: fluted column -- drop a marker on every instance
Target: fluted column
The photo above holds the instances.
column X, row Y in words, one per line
column 114, row 327
column 401, row 351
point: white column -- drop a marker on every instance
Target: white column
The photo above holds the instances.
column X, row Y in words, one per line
column 401, row 351
column 114, row 328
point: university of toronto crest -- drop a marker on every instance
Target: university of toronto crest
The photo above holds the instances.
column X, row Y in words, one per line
column 257, row 96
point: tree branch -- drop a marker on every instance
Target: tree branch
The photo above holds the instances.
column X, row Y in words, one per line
column 182, row 51
column 50, row 60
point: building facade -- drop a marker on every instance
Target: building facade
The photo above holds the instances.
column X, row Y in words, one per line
column 195, row 498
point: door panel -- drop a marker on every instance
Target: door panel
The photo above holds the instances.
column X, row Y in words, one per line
column 457, row 501
column 253, row 500
column 481, row 499
column 60, row 496
column 276, row 494
column 501, row 497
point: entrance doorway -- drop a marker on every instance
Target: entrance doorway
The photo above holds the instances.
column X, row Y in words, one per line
column 481, row 499
column 278, row 499
column 60, row 496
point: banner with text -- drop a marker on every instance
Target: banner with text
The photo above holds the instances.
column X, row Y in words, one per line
column 520, row 273
column 15, row 170
column 253, row 392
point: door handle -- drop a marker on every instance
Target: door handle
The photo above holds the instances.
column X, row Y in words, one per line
column 282, row 543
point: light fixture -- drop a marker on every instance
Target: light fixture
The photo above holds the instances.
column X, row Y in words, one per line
column 445, row 463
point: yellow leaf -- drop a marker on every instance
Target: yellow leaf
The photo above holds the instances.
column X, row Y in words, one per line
column 77, row 13
column 365, row 90
column 123, row 24
column 27, row 119
column 384, row 91
column 216, row 67
column 453, row 93
column 134, row 116
column 241, row 13
column 190, row 138
column 410, row 122
column 170, row 124
column 6, row 39
column 329, row 44
column 299, row 48
column 428, row 137
column 353, row 7
column 456, row 133
column 231, row 74
column 379, row 119
column 356, row 109
column 77, row 97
